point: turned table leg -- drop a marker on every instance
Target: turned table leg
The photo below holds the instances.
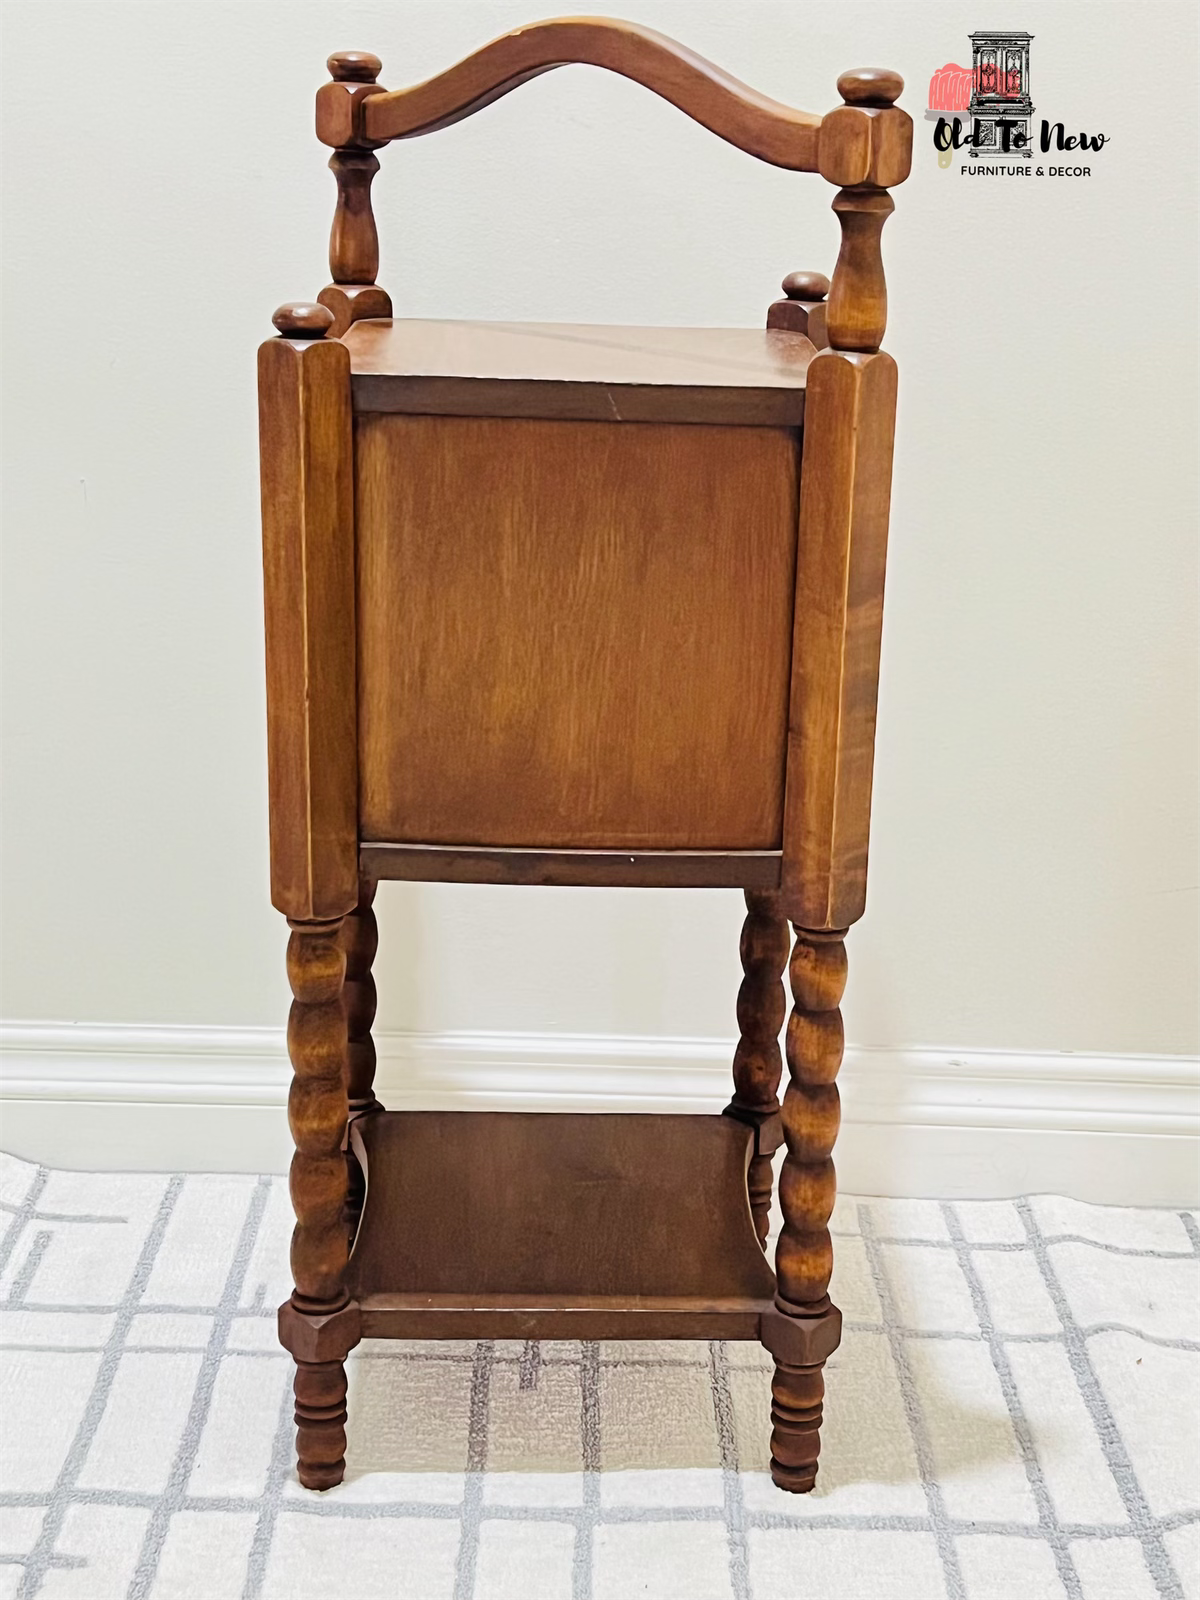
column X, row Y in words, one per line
column 314, row 1323
column 804, row 1328
column 320, row 1392
column 757, row 1063
column 360, row 940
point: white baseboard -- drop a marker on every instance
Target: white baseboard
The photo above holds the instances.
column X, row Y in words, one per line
column 1120, row 1130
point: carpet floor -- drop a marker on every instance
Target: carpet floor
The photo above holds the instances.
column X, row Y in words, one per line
column 1013, row 1415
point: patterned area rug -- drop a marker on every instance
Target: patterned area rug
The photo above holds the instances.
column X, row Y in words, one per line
column 1012, row 1416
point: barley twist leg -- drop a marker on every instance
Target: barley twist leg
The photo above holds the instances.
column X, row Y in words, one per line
column 757, row 1062
column 317, row 1111
column 360, row 940
column 807, row 1326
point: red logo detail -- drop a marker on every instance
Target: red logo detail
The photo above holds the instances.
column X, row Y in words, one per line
column 950, row 88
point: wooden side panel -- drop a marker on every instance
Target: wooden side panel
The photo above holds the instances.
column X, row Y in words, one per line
column 573, row 635
column 845, row 492
column 306, row 447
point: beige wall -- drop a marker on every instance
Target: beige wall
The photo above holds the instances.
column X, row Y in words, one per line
column 1034, row 858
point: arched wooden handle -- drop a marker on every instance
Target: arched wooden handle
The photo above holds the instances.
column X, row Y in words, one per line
column 753, row 122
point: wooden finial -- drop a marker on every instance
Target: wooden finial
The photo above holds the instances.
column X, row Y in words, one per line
column 803, row 309
column 806, row 286
column 354, row 66
column 299, row 319
column 340, row 103
column 870, row 86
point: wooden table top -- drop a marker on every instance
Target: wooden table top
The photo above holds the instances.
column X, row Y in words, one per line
column 572, row 371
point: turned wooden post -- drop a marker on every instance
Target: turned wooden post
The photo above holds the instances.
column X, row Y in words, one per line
column 846, row 472
column 308, row 584
column 317, row 1115
column 864, row 146
column 360, row 939
column 353, row 240
column 807, row 1189
column 757, row 1062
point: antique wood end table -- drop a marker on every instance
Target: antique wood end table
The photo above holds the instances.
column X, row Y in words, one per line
column 550, row 604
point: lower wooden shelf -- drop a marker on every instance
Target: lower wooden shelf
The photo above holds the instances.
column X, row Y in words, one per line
column 556, row 1226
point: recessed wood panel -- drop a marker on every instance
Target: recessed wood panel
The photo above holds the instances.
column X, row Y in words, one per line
column 573, row 635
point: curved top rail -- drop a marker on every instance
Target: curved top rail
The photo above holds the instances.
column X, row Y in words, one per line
column 753, row 122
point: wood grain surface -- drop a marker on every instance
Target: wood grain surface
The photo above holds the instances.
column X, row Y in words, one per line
column 573, row 635
column 578, row 371
column 557, row 1204
column 839, row 620
column 752, row 121
column 667, row 869
column 308, row 587
column 473, row 1316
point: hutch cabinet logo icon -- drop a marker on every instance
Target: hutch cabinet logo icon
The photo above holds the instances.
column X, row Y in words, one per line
column 985, row 110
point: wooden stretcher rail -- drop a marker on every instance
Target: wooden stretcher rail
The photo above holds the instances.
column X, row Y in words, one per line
column 432, row 863
column 408, row 1316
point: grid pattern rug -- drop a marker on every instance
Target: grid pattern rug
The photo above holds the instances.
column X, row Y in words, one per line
column 1012, row 1416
